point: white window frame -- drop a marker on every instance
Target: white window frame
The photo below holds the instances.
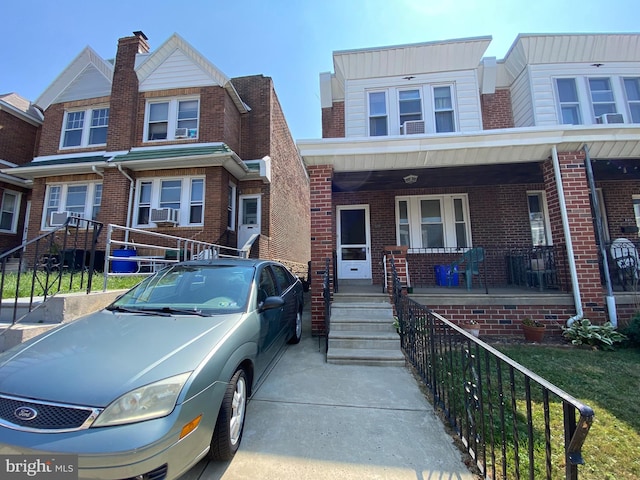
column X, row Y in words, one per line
column 630, row 103
column 420, row 112
column 86, row 128
column 370, row 115
column 435, row 110
column 90, row 206
column 448, row 216
column 636, row 209
column 607, row 102
column 542, row 195
column 231, row 207
column 14, row 213
column 575, row 103
column 185, row 199
column 172, row 118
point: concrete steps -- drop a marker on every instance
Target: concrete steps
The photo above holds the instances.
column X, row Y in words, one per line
column 362, row 333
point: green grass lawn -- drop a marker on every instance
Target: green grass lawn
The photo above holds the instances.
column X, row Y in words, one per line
column 609, row 382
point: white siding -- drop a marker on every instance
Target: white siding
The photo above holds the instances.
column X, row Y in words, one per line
column 521, row 101
column 90, row 83
column 465, row 96
column 177, row 71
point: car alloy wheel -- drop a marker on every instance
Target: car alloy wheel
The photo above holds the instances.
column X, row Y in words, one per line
column 230, row 423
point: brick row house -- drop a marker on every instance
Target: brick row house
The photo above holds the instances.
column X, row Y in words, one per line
column 163, row 141
column 20, row 122
column 434, row 153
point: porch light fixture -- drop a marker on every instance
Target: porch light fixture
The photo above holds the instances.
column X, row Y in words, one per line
column 410, row 179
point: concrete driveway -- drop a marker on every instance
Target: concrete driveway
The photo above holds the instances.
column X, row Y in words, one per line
column 312, row 420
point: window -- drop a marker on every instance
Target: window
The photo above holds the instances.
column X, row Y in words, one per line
column 378, row 114
column 172, row 119
column 183, row 194
column 538, row 218
column 81, row 198
column 434, row 221
column 9, row 211
column 443, row 109
column 632, row 89
column 409, row 105
column 231, row 207
column 601, row 96
column 80, row 133
column 636, row 209
column 568, row 99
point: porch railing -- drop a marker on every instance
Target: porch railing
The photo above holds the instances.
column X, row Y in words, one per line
column 502, row 412
column 35, row 270
column 624, row 264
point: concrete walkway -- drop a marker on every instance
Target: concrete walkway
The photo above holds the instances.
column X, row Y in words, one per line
column 313, row 420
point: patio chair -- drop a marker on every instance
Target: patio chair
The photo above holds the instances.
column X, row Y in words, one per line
column 626, row 261
column 468, row 265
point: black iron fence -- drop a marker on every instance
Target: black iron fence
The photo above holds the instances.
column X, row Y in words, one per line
column 326, row 295
column 63, row 259
column 512, row 422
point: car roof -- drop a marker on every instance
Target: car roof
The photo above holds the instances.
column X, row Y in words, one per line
column 229, row 262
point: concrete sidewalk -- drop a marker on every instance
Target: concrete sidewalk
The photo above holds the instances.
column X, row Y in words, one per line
column 313, row 420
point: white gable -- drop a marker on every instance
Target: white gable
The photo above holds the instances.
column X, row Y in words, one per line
column 177, row 71
column 90, row 83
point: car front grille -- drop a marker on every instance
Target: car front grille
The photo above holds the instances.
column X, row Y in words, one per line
column 33, row 415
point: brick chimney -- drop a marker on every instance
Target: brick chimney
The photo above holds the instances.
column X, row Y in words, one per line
column 124, row 93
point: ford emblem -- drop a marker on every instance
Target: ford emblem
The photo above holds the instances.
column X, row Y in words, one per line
column 25, row 413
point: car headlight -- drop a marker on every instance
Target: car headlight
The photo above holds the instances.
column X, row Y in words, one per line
column 151, row 401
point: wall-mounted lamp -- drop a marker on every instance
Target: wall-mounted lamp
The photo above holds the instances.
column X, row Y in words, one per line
column 410, row 179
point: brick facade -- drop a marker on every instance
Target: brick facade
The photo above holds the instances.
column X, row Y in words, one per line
column 333, row 121
column 496, row 109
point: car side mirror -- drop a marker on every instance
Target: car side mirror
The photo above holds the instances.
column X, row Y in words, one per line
column 270, row 303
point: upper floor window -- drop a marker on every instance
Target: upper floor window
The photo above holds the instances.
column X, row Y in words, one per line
column 443, row 109
column 568, row 99
column 9, row 211
column 602, row 99
column 409, row 105
column 85, row 128
column 632, row 89
column 539, row 218
column 433, row 221
column 171, row 119
column 378, row 114
column 184, row 195
column 83, row 199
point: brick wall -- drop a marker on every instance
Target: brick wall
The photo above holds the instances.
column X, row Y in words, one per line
column 618, row 202
column 17, row 139
column 496, row 109
column 333, row 121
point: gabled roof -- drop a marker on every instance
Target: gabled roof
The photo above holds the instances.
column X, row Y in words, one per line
column 87, row 63
column 203, row 72
column 20, row 107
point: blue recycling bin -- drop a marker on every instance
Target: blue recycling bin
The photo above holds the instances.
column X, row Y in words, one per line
column 124, row 266
column 445, row 276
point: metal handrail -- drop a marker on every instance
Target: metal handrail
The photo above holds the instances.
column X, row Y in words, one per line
column 488, row 398
column 326, row 295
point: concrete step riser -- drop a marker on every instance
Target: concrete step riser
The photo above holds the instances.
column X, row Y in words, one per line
column 361, row 327
column 359, row 344
column 368, row 363
column 362, row 315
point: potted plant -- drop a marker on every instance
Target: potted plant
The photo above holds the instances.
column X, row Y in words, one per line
column 472, row 327
column 533, row 330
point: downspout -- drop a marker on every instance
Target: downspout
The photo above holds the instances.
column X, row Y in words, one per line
column 130, row 205
column 95, row 170
column 567, row 235
column 611, row 300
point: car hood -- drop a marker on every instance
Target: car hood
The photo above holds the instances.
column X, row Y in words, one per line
column 94, row 360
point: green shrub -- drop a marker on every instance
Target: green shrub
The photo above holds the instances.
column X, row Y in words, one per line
column 582, row 332
column 632, row 331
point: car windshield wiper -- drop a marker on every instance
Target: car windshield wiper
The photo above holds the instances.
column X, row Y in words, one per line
column 184, row 311
column 118, row 308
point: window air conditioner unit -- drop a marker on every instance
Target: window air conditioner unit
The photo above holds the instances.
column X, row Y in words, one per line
column 59, row 218
column 182, row 132
column 411, row 127
column 164, row 215
column 610, row 118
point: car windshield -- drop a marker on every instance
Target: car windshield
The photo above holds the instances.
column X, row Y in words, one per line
column 190, row 289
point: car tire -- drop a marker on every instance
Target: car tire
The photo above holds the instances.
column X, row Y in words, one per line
column 230, row 424
column 296, row 335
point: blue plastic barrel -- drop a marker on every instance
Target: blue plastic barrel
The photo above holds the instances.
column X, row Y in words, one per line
column 124, row 266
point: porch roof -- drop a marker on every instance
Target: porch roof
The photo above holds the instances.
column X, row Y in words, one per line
column 489, row 147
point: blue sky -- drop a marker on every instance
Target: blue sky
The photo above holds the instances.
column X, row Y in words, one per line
column 289, row 40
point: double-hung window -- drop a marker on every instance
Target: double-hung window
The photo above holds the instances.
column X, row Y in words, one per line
column 186, row 195
column 378, row 124
column 632, row 90
column 409, row 106
column 433, row 221
column 231, row 207
column 443, row 109
column 83, row 199
column 85, row 128
column 602, row 99
column 569, row 102
column 9, row 211
column 171, row 119
column 539, row 219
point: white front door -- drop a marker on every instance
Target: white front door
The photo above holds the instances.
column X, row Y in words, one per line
column 354, row 242
column 249, row 221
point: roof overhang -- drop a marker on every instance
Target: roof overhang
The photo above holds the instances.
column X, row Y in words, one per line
column 490, row 147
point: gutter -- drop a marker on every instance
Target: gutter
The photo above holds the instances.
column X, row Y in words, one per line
column 567, row 235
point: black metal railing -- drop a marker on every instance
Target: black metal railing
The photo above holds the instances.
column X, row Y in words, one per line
column 624, row 264
column 503, row 413
column 35, row 270
column 326, row 295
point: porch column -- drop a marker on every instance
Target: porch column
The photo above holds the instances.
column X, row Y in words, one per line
column 581, row 227
column 322, row 241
